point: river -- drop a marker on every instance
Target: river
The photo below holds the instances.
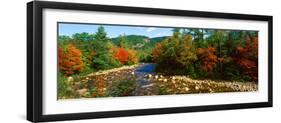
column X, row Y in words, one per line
column 142, row 71
column 145, row 85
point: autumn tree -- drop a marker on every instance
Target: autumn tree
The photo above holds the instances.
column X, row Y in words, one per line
column 186, row 53
column 176, row 52
column 70, row 60
column 157, row 52
column 121, row 55
column 132, row 57
column 165, row 52
column 207, row 58
column 247, row 57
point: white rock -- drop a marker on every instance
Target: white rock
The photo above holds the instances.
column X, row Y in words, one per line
column 82, row 91
column 149, row 75
column 133, row 73
column 186, row 89
column 145, row 86
column 196, row 88
column 70, row 79
column 165, row 80
column 156, row 77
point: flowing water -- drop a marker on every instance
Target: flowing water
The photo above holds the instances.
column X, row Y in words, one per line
column 142, row 72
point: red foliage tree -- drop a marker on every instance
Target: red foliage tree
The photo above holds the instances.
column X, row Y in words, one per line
column 121, row 55
column 208, row 58
column 247, row 57
column 70, row 60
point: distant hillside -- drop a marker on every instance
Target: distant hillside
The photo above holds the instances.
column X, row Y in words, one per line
column 133, row 39
column 157, row 39
column 138, row 41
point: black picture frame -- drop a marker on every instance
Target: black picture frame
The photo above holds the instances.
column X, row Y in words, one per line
column 35, row 69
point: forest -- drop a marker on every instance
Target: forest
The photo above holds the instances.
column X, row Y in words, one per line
column 189, row 61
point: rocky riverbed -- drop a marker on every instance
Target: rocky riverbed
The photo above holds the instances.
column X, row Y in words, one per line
column 143, row 82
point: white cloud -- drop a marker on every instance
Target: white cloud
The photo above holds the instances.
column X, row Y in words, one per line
column 160, row 34
column 150, row 29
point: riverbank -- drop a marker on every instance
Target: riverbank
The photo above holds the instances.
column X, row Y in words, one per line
column 185, row 85
column 141, row 80
column 114, row 70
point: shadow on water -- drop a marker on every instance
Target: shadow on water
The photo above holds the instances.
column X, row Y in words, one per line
column 148, row 68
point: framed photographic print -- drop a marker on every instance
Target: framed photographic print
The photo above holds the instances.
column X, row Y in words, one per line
column 95, row 61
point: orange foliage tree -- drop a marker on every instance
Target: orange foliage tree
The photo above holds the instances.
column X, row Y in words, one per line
column 247, row 57
column 208, row 58
column 70, row 60
column 121, row 55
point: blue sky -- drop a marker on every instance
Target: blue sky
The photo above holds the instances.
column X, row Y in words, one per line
column 113, row 30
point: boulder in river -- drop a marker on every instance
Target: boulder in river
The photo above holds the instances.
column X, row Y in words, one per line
column 156, row 77
column 149, row 75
